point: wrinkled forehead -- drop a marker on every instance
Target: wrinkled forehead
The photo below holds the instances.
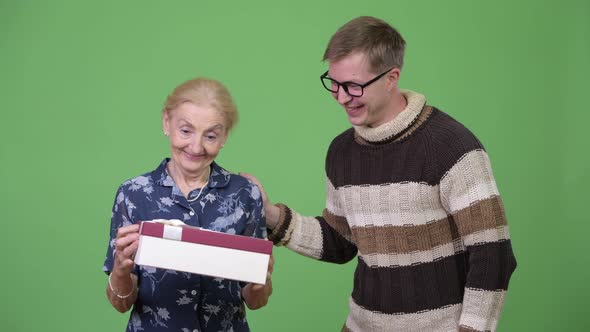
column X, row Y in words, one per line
column 199, row 116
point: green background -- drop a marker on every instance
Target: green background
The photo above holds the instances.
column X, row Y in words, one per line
column 82, row 85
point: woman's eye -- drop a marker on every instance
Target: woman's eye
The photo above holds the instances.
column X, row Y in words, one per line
column 211, row 137
column 185, row 131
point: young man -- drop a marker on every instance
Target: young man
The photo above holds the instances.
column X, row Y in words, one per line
column 411, row 191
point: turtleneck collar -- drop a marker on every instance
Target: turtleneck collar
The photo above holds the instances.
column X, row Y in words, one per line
column 402, row 121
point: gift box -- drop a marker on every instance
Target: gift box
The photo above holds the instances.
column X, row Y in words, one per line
column 176, row 246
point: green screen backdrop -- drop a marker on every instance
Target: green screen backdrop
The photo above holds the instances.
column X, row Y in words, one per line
column 82, row 84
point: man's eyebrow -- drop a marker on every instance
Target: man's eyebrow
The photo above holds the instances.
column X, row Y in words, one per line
column 345, row 82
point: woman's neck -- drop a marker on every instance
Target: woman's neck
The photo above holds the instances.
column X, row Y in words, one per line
column 188, row 182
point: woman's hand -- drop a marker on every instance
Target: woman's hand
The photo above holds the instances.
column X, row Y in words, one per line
column 125, row 247
column 122, row 284
column 256, row 295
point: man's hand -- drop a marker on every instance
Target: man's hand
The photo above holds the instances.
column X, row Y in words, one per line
column 271, row 211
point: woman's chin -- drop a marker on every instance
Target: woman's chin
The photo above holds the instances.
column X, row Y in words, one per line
column 194, row 166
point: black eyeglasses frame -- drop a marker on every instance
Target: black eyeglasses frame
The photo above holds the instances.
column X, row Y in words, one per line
column 345, row 85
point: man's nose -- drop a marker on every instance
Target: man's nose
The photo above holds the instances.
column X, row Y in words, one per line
column 342, row 97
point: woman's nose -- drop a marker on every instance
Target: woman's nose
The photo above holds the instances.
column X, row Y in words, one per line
column 197, row 146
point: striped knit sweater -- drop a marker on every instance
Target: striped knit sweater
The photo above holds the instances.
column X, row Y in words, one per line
column 417, row 200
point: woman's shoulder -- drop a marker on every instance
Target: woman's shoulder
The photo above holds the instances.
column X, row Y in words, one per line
column 237, row 184
column 145, row 182
column 139, row 186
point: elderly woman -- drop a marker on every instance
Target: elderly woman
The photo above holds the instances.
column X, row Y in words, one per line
column 189, row 186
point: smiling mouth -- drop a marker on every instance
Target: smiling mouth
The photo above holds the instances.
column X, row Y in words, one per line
column 193, row 157
column 353, row 110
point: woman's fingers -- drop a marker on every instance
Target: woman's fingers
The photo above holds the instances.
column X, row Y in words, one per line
column 124, row 257
column 125, row 247
column 271, row 264
column 123, row 242
column 256, row 287
column 130, row 250
column 123, row 231
column 126, row 265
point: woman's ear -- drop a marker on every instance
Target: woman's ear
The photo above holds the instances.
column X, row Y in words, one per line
column 166, row 123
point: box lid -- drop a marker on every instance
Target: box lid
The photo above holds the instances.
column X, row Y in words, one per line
column 203, row 236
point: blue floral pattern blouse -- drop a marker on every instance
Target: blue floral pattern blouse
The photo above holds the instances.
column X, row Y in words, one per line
column 178, row 301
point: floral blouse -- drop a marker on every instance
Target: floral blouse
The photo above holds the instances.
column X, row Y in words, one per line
column 178, row 301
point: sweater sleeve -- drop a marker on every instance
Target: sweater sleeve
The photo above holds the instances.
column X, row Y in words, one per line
column 469, row 195
column 326, row 237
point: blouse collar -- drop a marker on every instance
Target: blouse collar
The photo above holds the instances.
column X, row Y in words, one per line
column 218, row 178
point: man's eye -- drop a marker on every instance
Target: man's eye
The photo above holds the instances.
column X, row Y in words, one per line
column 353, row 87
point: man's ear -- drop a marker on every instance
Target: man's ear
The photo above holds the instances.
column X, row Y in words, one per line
column 393, row 77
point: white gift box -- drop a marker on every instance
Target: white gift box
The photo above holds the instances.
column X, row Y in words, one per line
column 173, row 245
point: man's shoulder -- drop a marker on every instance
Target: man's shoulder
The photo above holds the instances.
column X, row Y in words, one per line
column 446, row 131
column 451, row 141
column 344, row 137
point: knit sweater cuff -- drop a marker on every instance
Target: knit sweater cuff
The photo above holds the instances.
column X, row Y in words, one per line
column 279, row 235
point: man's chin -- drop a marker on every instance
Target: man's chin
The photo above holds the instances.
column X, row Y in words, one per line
column 356, row 121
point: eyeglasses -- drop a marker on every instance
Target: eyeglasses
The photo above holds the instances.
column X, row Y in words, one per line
column 351, row 88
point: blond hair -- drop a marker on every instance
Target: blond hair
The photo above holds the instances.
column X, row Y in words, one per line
column 204, row 92
column 376, row 39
